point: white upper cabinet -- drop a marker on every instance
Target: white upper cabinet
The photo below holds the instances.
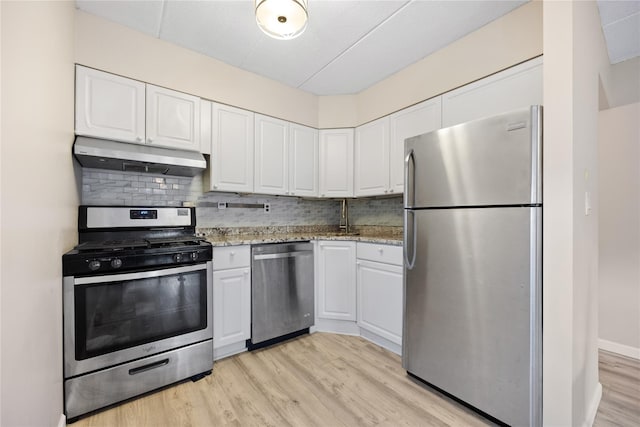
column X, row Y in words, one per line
column 416, row 120
column 109, row 106
column 372, row 158
column 121, row 109
column 232, row 148
column 516, row 87
column 303, row 161
column 205, row 126
column 173, row 119
column 336, row 163
column 271, row 155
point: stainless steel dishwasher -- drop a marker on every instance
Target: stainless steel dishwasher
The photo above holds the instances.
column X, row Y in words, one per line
column 282, row 301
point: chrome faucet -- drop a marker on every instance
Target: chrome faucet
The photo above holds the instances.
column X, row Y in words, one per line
column 344, row 216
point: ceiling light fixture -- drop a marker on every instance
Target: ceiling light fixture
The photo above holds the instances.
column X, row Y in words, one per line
column 282, row 19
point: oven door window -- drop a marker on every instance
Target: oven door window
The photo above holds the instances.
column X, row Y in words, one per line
column 115, row 315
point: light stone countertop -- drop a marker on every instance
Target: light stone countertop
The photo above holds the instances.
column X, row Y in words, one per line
column 258, row 235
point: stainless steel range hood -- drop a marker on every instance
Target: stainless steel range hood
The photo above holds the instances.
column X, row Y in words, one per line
column 106, row 154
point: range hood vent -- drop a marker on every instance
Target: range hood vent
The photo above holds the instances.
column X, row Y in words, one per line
column 106, row 154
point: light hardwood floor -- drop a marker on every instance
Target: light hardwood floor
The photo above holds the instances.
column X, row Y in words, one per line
column 333, row 380
column 315, row 380
column 620, row 379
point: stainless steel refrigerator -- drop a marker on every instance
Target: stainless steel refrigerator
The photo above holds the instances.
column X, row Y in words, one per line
column 472, row 275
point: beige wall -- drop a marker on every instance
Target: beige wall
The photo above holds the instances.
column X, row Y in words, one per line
column 513, row 38
column 509, row 40
column 575, row 62
column 39, row 205
column 111, row 47
column 619, row 221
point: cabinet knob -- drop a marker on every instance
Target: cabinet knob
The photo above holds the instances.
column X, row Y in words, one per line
column 139, row 138
column 232, row 253
column 386, row 191
column 246, row 272
column 322, row 195
column 380, row 250
column 292, row 193
column 215, row 185
column 149, row 139
column 391, row 191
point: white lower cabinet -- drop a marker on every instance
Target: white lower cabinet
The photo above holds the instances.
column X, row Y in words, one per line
column 379, row 289
column 231, row 299
column 380, row 299
column 336, row 280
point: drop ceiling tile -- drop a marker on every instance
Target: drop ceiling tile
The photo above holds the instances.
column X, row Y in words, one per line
column 333, row 27
column 613, row 10
column 143, row 16
column 225, row 30
column 623, row 38
column 413, row 33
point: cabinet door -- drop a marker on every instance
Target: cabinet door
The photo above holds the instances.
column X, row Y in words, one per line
column 271, row 156
column 231, row 306
column 205, row 126
column 173, row 119
column 372, row 158
column 336, row 163
column 303, row 161
column 516, row 87
column 380, row 299
column 337, row 280
column 416, row 120
column 231, row 149
column 109, row 106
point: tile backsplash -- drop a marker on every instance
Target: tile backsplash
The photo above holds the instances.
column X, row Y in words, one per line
column 104, row 187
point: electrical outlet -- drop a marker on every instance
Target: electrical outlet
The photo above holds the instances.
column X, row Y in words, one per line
column 267, row 207
column 222, row 205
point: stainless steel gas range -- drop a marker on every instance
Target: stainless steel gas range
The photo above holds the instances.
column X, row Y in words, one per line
column 137, row 305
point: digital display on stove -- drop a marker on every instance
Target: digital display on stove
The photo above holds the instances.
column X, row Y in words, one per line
column 143, row 214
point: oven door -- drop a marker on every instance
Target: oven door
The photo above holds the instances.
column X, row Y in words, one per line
column 117, row 318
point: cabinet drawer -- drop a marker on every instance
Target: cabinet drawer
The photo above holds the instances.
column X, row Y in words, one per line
column 231, row 257
column 380, row 253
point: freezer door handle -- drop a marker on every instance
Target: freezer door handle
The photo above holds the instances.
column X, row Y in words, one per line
column 409, row 178
column 410, row 234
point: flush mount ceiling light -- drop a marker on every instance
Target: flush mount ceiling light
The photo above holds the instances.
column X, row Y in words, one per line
column 282, row 19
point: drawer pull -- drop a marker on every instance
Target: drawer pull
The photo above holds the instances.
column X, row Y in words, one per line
column 148, row 367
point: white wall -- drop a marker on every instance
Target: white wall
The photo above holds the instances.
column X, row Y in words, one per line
column 575, row 62
column 619, row 223
column 39, row 205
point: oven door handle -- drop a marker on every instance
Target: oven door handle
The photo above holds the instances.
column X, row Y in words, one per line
column 139, row 275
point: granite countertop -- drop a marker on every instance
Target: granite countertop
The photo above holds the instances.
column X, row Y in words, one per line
column 256, row 235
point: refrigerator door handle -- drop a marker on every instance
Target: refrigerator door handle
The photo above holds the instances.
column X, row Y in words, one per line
column 409, row 178
column 409, row 239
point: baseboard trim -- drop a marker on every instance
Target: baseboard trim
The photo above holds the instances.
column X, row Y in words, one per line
column 593, row 407
column 62, row 422
column 624, row 350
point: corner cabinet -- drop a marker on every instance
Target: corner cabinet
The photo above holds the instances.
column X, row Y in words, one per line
column 121, row 109
column 336, row 162
column 173, row 119
column 232, row 137
column 109, row 106
column 336, row 280
column 231, row 299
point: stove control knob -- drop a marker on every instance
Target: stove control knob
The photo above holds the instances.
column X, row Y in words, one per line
column 94, row 265
column 177, row 257
column 193, row 256
column 116, row 263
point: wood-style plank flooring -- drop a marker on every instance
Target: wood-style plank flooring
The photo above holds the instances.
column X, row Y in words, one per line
column 333, row 380
column 315, row 380
column 620, row 379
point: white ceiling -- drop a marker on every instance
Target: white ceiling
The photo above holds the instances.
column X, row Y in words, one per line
column 348, row 45
column 621, row 27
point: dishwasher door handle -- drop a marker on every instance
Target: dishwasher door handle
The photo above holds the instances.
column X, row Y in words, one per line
column 282, row 255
